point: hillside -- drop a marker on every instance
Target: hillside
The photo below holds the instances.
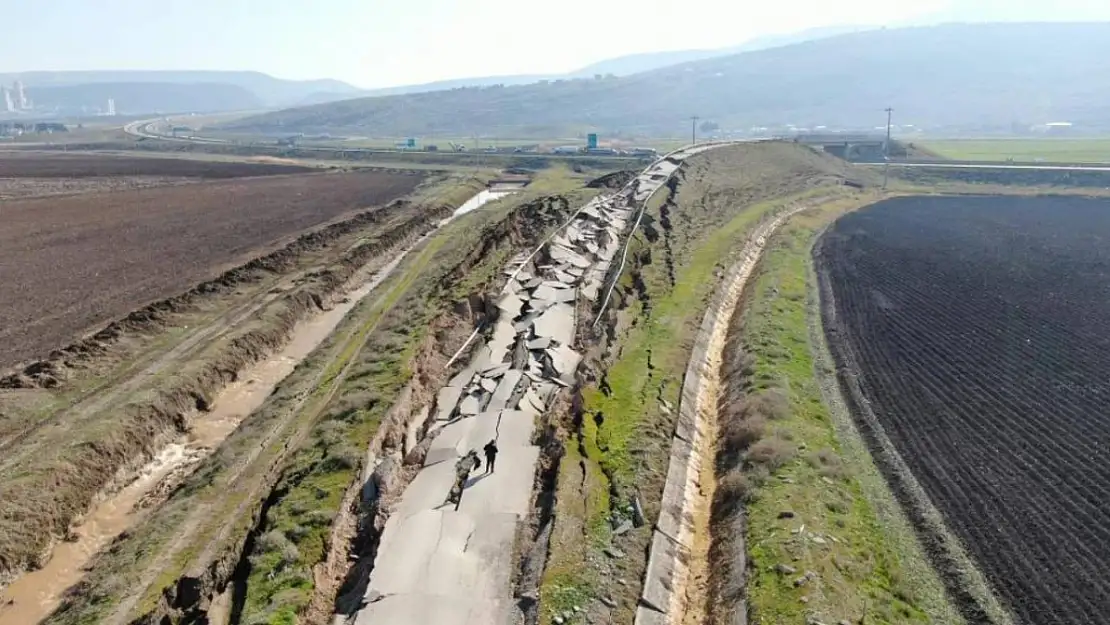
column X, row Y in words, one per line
column 173, row 91
column 957, row 75
column 133, row 98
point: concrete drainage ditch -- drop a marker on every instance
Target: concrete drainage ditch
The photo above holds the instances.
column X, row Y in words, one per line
column 666, row 598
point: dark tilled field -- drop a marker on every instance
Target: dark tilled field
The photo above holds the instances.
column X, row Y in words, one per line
column 30, row 164
column 70, row 264
column 981, row 331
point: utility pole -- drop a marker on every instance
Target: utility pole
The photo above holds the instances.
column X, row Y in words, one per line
column 694, row 129
column 886, row 148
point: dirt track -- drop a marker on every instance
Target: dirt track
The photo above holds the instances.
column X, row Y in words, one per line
column 68, row 264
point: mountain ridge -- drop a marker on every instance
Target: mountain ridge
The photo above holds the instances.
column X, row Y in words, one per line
column 946, row 76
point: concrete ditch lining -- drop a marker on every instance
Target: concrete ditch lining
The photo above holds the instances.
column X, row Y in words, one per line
column 663, row 597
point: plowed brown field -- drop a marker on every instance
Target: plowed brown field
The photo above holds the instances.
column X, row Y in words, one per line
column 977, row 328
column 69, row 264
column 31, row 164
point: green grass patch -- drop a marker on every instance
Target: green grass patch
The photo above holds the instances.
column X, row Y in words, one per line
column 662, row 339
column 1086, row 150
column 864, row 574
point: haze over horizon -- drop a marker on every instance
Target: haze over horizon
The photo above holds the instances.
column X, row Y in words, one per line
column 373, row 45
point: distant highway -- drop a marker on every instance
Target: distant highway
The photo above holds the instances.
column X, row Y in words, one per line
column 147, row 129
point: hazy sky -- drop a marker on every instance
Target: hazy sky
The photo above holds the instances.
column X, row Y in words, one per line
column 376, row 43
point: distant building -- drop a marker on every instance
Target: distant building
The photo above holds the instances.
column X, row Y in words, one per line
column 21, row 100
column 9, row 104
column 111, row 107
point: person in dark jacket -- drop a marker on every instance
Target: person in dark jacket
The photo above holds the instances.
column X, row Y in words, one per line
column 491, row 455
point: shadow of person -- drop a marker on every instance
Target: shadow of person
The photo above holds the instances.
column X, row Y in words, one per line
column 471, row 481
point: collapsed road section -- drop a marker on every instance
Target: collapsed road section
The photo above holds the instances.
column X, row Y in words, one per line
column 451, row 562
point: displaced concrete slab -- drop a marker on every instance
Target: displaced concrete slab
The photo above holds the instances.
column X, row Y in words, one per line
column 485, row 428
column 557, row 323
column 504, row 390
column 489, row 385
column 670, row 504
column 540, row 343
column 515, row 429
column 565, row 361
column 565, row 296
column 463, row 377
column 469, row 406
column 648, row 616
column 547, row 293
column 496, row 371
column 504, row 335
column 659, row 580
column 533, row 399
column 510, row 305
column 446, row 401
column 448, row 444
column 526, row 322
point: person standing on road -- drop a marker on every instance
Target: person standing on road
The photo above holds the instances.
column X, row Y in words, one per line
column 491, row 455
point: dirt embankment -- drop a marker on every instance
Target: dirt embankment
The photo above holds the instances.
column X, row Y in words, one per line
column 48, row 491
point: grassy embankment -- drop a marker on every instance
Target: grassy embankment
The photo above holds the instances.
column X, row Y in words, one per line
column 843, row 523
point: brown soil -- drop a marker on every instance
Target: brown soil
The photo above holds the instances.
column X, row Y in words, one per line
column 68, row 264
column 32, row 164
column 17, row 188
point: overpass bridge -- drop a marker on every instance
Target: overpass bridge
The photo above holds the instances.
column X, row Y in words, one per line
column 848, row 146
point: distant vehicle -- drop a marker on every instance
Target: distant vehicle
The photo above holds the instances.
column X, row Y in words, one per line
column 432, row 148
column 644, row 152
column 566, row 149
column 458, row 147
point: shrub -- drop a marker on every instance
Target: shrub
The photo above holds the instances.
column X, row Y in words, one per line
column 272, row 541
column 771, row 403
column 734, row 490
column 341, row 458
column 736, row 437
column 827, row 462
column 771, row 453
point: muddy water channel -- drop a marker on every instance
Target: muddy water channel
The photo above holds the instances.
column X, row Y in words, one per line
column 33, row 596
